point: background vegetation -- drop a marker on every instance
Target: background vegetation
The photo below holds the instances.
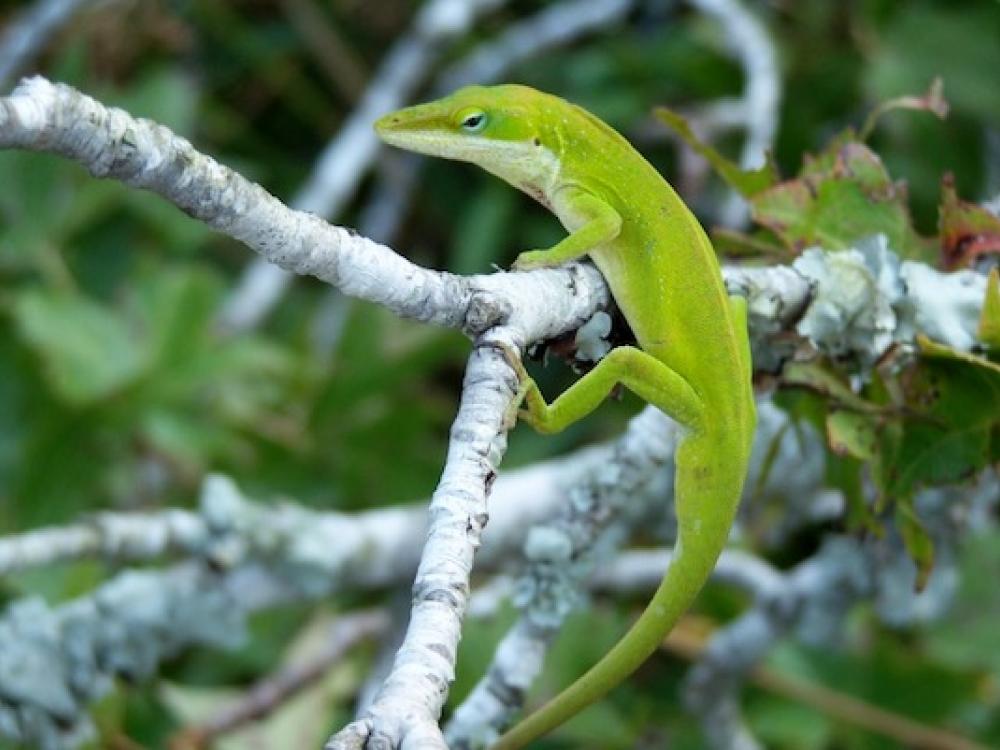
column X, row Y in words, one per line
column 119, row 390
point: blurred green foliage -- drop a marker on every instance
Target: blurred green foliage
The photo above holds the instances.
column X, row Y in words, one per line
column 117, row 389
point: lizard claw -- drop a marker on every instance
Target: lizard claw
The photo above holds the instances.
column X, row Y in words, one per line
column 514, row 410
column 513, row 357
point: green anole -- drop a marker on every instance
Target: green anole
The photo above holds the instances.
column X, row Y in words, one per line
column 693, row 354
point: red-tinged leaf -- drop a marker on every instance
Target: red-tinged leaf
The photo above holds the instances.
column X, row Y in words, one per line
column 821, row 164
column 843, row 195
column 967, row 230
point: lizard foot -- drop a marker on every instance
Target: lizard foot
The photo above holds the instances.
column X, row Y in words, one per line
column 525, row 384
column 529, row 260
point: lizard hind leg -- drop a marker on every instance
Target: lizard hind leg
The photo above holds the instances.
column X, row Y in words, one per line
column 641, row 373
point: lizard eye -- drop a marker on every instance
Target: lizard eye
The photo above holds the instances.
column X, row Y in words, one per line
column 473, row 121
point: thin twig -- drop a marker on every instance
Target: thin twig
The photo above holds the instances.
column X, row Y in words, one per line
column 273, row 691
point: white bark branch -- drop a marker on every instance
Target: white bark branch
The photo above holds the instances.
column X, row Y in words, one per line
column 264, row 556
column 865, row 298
column 404, row 713
column 561, row 555
column 108, row 142
column 112, row 536
column 55, row 661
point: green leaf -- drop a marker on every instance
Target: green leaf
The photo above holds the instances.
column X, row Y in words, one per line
column 818, row 377
column 747, row 182
column 189, row 440
column 761, row 244
column 954, row 403
column 166, row 95
column 821, row 164
column 42, row 185
column 882, row 671
column 176, row 306
column 934, row 349
column 989, row 322
column 931, row 454
column 851, row 434
column 480, row 234
column 782, row 723
column 917, row 541
column 86, row 350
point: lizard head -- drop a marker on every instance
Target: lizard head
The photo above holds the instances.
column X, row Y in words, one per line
column 503, row 129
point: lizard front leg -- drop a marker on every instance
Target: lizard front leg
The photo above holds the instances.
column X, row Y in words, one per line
column 600, row 223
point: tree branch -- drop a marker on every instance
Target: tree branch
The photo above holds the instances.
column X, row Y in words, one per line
column 853, row 303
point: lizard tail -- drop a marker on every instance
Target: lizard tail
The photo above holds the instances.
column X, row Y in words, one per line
column 700, row 541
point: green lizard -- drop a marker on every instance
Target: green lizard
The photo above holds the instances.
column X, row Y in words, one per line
column 693, row 359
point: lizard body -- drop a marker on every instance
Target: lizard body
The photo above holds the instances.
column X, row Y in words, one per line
column 692, row 359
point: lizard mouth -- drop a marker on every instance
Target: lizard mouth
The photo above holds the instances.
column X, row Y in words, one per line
column 419, row 129
column 425, row 130
column 388, row 124
column 416, row 119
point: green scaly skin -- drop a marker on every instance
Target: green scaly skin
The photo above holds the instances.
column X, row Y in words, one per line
column 693, row 358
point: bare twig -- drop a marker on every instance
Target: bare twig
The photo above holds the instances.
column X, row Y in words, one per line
column 406, row 709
